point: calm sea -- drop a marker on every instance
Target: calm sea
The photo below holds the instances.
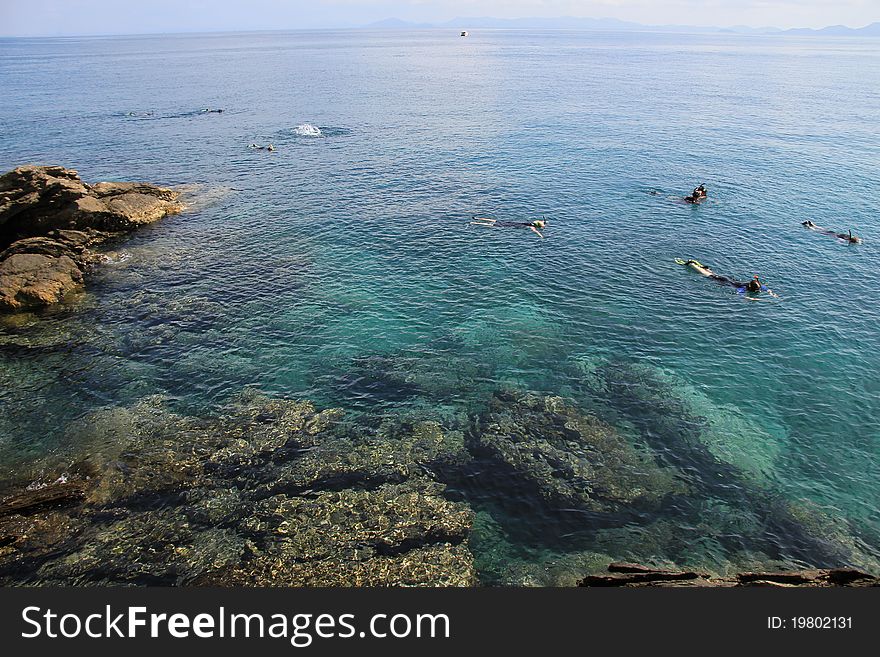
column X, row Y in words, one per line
column 349, row 250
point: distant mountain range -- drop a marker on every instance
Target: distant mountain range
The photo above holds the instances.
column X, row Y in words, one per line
column 612, row 24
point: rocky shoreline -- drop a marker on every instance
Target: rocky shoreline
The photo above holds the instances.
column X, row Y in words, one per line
column 629, row 575
column 51, row 223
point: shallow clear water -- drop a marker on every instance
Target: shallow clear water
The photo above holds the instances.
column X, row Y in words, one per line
column 295, row 269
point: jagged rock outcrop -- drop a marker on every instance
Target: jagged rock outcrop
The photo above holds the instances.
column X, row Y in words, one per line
column 630, row 575
column 50, row 220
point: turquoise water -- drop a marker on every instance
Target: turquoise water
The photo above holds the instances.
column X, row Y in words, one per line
column 342, row 268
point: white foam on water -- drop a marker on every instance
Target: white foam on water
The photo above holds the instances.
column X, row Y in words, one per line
column 307, row 130
column 114, row 257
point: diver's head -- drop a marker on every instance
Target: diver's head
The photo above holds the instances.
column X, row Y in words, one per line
column 539, row 223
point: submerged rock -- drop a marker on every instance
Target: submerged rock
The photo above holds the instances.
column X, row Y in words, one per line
column 503, row 561
column 274, row 492
column 369, row 533
column 753, row 518
column 728, row 432
column 152, row 548
column 30, row 539
column 443, row 564
column 397, row 453
column 398, row 377
column 49, row 219
column 568, row 458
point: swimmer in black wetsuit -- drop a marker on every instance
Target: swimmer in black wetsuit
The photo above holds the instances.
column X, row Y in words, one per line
column 847, row 237
column 755, row 285
column 535, row 226
column 699, row 194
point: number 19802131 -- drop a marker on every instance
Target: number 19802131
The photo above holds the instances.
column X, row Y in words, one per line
column 810, row 623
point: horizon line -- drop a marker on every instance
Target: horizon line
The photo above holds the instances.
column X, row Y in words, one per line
column 759, row 31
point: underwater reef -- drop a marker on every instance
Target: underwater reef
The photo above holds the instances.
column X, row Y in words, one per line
column 51, row 223
column 274, row 493
column 730, row 506
column 525, row 489
column 567, row 458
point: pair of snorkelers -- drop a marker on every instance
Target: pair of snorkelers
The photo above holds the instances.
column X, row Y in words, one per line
column 535, row 226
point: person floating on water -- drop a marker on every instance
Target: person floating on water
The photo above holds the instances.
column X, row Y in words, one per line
column 699, row 194
column 270, row 147
column 847, row 237
column 535, row 226
column 755, row 285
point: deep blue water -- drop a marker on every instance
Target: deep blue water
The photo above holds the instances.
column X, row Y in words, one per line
column 295, row 266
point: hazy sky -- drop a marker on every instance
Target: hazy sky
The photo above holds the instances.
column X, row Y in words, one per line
column 56, row 17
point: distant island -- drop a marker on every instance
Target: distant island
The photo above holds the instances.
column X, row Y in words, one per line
column 613, row 24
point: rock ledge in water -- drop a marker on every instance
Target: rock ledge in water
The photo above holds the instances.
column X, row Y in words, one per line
column 49, row 219
column 635, row 575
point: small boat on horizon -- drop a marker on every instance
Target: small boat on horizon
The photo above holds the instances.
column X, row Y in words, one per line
column 464, row 33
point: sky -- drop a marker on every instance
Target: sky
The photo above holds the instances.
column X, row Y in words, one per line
column 82, row 17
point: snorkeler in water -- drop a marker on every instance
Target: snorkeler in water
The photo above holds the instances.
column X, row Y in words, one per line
column 699, row 194
column 535, row 226
column 754, row 286
column 847, row 237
